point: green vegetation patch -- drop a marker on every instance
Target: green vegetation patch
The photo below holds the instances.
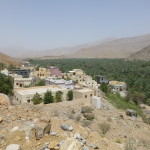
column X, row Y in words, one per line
column 122, row 103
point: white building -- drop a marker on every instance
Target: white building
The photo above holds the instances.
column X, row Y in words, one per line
column 5, row 72
column 25, row 95
column 68, row 84
column 22, row 82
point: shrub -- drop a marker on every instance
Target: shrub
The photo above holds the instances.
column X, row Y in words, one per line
column 118, row 141
column 36, row 99
column 86, row 109
column 41, row 83
column 70, row 116
column 147, row 120
column 89, row 116
column 130, row 145
column 78, row 118
column 48, row 98
column 104, row 87
column 70, row 95
column 86, row 123
column 105, row 127
column 59, row 96
column 122, row 103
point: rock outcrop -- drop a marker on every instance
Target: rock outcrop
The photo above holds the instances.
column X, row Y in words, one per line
column 4, row 99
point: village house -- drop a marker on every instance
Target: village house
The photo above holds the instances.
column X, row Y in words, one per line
column 84, row 94
column 68, row 84
column 101, row 79
column 55, row 71
column 32, row 70
column 84, row 80
column 25, row 95
column 43, row 73
column 23, row 82
column 24, row 72
column 118, row 87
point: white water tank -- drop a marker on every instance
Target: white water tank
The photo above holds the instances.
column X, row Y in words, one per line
column 96, row 102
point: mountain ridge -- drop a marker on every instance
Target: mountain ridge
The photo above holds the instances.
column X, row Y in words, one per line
column 8, row 60
column 143, row 54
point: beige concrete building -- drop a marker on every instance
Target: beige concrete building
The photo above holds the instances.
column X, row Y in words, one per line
column 25, row 95
column 85, row 94
column 43, row 73
column 22, row 82
column 118, row 86
column 84, row 80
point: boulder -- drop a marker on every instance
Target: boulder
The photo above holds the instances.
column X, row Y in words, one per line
column 1, row 119
column 85, row 148
column 15, row 129
column 13, row 147
column 52, row 145
column 42, row 129
column 2, row 138
column 45, row 119
column 67, row 127
column 71, row 144
column 131, row 113
column 4, row 99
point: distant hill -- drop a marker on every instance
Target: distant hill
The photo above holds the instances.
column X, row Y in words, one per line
column 143, row 54
column 118, row 48
column 7, row 60
column 107, row 48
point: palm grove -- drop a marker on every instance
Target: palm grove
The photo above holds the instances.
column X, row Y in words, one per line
column 134, row 73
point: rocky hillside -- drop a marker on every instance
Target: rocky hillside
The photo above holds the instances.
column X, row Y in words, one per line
column 8, row 60
column 143, row 54
column 118, row 48
column 70, row 125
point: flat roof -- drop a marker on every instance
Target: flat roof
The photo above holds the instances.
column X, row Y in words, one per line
column 22, row 79
column 85, row 90
column 60, row 81
column 116, row 83
column 38, row 89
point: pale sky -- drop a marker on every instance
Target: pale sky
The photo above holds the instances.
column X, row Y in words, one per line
column 44, row 24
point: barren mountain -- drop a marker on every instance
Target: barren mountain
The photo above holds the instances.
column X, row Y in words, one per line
column 110, row 48
column 8, row 60
column 118, row 48
column 143, row 54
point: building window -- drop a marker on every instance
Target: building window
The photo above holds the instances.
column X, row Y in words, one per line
column 85, row 96
column 28, row 100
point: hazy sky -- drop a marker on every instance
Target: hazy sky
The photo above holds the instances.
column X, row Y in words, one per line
column 42, row 24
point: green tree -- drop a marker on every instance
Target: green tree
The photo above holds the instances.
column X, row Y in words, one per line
column 70, row 95
column 36, row 99
column 104, row 87
column 6, row 84
column 136, row 97
column 58, row 96
column 41, row 83
column 48, row 97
